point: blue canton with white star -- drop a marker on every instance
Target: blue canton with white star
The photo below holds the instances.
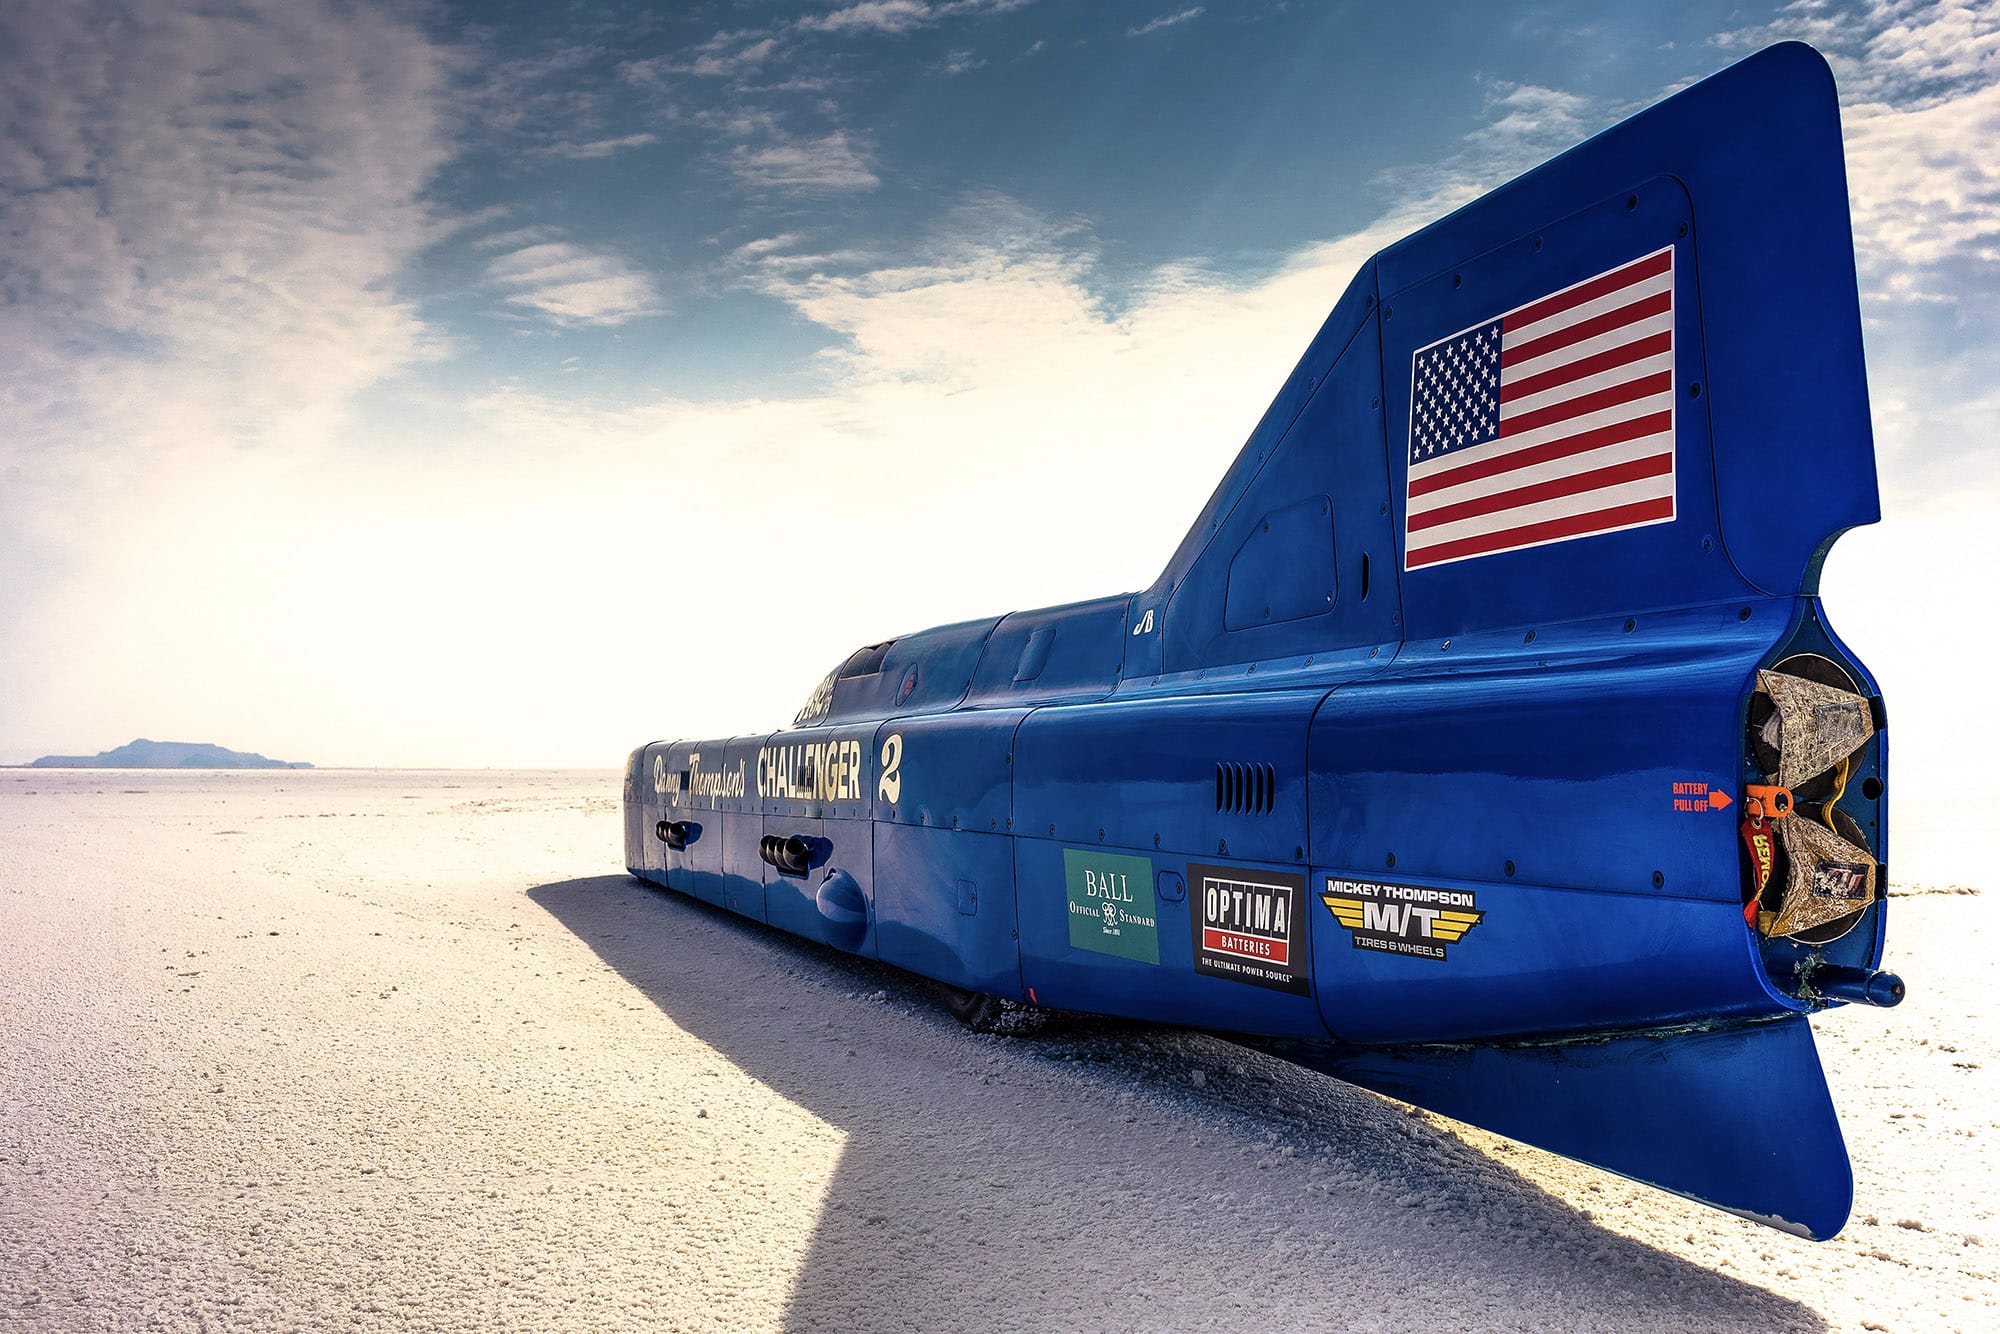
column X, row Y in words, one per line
column 1456, row 403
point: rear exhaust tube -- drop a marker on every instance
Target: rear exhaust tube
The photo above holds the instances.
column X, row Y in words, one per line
column 794, row 855
column 791, row 856
column 1861, row 986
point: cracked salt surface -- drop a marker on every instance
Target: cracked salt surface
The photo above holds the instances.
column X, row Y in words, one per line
column 409, row 1051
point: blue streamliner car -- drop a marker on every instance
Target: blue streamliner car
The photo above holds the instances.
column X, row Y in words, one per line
column 1483, row 743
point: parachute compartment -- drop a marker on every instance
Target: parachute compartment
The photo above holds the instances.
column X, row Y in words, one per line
column 1815, row 879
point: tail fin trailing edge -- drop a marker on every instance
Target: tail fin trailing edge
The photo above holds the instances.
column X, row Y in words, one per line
column 1738, row 1117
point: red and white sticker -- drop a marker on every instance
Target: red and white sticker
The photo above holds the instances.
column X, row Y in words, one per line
column 1248, row 926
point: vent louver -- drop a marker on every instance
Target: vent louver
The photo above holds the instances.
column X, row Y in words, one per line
column 1246, row 789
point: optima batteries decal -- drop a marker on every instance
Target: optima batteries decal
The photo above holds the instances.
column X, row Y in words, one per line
column 1402, row 919
column 1111, row 904
column 1248, row 927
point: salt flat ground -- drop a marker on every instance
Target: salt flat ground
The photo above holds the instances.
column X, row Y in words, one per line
column 339, row 1050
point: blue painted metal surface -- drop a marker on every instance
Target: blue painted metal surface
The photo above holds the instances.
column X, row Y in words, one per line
column 1689, row 1112
column 1435, row 810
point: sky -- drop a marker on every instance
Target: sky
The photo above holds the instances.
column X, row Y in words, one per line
column 478, row 385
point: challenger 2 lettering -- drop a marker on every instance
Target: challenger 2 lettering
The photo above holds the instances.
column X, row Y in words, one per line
column 827, row 770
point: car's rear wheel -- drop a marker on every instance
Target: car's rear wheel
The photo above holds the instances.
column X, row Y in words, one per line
column 977, row 1010
column 985, row 1013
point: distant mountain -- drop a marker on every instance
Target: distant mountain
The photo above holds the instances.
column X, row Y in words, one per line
column 144, row 754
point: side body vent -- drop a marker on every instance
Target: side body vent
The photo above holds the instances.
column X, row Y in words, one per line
column 1247, row 789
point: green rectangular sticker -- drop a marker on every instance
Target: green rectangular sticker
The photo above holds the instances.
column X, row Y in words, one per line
column 1111, row 905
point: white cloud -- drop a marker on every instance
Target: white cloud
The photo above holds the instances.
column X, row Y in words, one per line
column 1166, row 21
column 752, row 63
column 1920, row 92
column 763, row 247
column 517, row 237
column 203, row 216
column 733, row 53
column 830, row 162
column 898, row 16
column 773, row 259
column 871, row 15
column 1927, row 191
column 182, row 146
column 738, row 122
column 530, row 100
column 748, row 55
column 575, row 285
column 219, row 298
column 725, row 55
column 1528, row 118
column 597, row 148
column 1920, row 87
column 980, row 390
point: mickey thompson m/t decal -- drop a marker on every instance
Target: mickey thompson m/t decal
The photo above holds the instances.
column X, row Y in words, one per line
column 1402, row 919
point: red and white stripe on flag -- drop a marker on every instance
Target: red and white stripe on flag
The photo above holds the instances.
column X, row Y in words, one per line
column 1568, row 432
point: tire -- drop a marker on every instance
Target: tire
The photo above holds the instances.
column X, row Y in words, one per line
column 977, row 1010
column 984, row 1013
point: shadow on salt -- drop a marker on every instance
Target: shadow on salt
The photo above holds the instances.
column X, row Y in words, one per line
column 1086, row 1178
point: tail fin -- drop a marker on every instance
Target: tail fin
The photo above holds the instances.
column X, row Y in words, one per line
column 1630, row 380
column 1738, row 1117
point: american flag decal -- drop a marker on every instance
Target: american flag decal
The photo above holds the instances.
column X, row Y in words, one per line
column 1554, row 421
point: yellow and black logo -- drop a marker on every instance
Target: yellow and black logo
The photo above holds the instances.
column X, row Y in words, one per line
column 1402, row 919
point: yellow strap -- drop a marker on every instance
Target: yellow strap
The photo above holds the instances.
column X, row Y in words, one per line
column 1840, row 775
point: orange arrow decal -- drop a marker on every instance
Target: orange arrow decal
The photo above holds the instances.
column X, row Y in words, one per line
column 1691, row 794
